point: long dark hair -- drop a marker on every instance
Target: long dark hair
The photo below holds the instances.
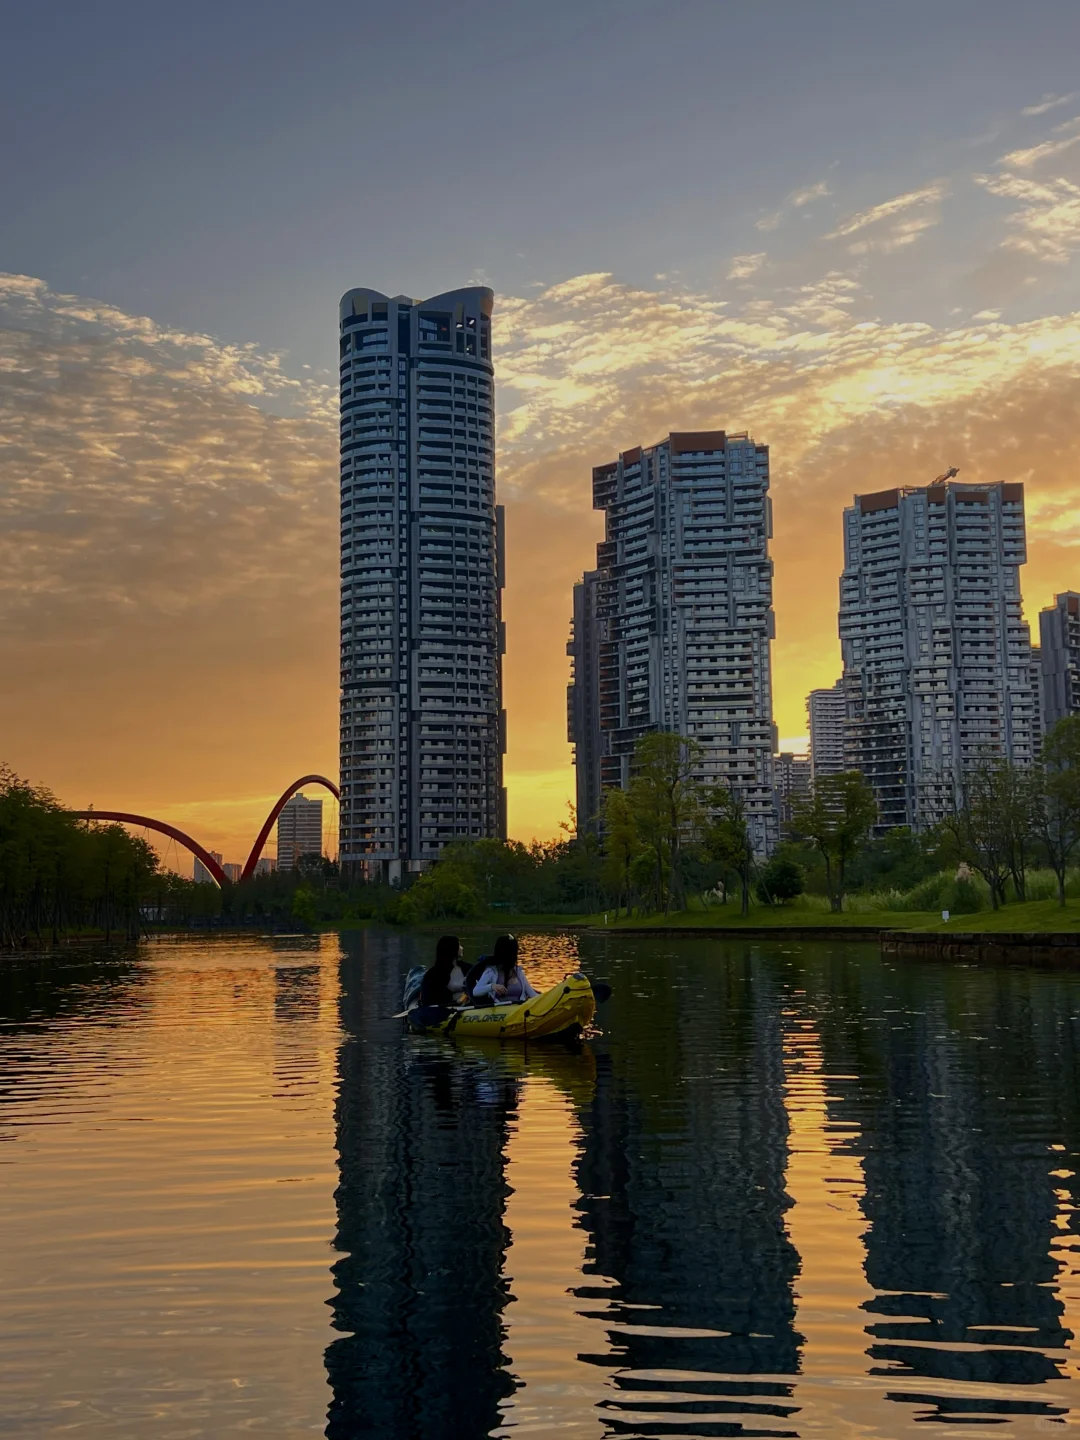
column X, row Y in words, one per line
column 446, row 954
column 504, row 956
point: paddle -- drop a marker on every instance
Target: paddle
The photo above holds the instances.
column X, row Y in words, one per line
column 601, row 991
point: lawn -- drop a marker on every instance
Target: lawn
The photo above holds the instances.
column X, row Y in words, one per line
column 770, row 917
column 1034, row 916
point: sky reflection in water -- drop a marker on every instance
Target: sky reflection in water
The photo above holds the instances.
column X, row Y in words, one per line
column 789, row 1191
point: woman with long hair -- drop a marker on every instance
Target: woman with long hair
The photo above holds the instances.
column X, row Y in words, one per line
column 444, row 983
column 504, row 979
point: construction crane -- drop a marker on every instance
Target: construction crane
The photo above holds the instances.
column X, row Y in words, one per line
column 952, row 470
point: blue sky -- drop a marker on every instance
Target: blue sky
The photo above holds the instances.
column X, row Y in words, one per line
column 850, row 228
column 231, row 168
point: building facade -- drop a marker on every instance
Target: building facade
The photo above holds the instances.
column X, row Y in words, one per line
column 1059, row 633
column 792, row 778
column 826, row 712
column 582, row 697
column 201, row 874
column 672, row 631
column 422, row 724
column 299, row 830
column 937, row 656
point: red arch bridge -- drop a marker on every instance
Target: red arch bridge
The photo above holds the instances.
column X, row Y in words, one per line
column 146, row 822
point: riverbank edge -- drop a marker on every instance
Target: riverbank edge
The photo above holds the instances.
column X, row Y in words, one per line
column 986, row 947
column 1038, row 948
column 748, row 932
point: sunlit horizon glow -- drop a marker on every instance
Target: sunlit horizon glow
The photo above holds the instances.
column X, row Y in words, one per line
column 168, row 501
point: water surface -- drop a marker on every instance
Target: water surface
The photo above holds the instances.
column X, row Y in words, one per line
column 789, row 1190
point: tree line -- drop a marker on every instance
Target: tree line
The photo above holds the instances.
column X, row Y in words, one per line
column 59, row 874
column 665, row 839
column 669, row 836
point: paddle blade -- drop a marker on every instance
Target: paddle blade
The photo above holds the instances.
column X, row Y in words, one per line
column 425, row 1016
column 601, row 991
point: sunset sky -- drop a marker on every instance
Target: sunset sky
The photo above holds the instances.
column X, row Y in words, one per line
column 850, row 229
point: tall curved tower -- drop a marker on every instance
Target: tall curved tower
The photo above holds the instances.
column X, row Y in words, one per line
column 422, row 725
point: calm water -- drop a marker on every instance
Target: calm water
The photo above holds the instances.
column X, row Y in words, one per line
column 790, row 1190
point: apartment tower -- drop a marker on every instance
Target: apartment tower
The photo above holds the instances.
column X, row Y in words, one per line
column 299, row 830
column 1059, row 634
column 825, row 711
column 937, row 656
column 422, row 725
column 672, row 630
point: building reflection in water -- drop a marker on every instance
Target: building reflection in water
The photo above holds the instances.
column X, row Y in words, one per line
column 420, row 1289
column 911, row 1132
column 965, row 1092
column 682, row 1181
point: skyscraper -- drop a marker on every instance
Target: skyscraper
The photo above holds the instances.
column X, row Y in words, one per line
column 422, row 725
column 825, row 710
column 937, row 656
column 299, row 831
column 672, row 630
column 1059, row 632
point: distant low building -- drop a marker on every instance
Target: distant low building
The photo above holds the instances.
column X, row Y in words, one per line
column 1059, row 632
column 202, row 875
column 232, row 872
column 299, row 831
column 265, row 865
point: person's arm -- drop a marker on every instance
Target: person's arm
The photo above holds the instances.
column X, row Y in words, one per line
column 527, row 991
column 486, row 984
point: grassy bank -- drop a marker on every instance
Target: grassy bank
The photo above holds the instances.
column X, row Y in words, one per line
column 773, row 917
column 1034, row 916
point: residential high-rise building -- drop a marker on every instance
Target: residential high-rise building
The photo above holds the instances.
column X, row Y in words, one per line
column 1038, row 724
column 233, row 870
column 1059, row 632
column 791, row 779
column 422, row 725
column 582, row 700
column 672, row 630
column 937, row 656
column 825, row 711
column 299, row 830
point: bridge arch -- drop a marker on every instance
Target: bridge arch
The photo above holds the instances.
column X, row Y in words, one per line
column 268, row 824
column 146, row 823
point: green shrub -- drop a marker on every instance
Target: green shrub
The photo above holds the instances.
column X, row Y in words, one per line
column 781, row 880
column 943, row 892
column 437, row 895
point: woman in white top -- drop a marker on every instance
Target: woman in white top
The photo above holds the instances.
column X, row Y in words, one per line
column 504, row 979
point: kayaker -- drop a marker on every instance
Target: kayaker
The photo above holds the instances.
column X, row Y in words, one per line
column 504, row 979
column 444, row 983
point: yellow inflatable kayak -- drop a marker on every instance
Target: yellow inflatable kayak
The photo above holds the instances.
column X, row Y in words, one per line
column 568, row 1006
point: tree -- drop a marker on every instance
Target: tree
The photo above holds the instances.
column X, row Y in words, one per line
column 836, row 817
column 303, row 907
column 727, row 839
column 782, row 879
column 665, row 801
column 990, row 824
column 1057, row 814
column 621, row 845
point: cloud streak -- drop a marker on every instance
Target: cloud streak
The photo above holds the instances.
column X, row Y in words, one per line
column 168, row 502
